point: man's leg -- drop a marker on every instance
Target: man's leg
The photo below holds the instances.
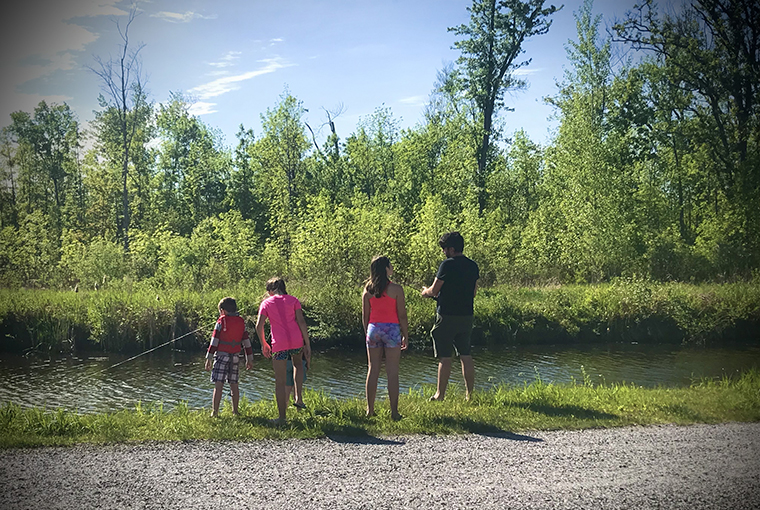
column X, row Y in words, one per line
column 444, row 371
column 468, row 373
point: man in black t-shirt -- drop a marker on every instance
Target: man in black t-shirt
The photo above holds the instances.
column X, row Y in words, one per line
column 455, row 286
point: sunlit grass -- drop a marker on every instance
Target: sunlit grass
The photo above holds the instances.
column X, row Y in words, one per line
column 503, row 409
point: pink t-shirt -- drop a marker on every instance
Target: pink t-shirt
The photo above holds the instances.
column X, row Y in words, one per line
column 281, row 312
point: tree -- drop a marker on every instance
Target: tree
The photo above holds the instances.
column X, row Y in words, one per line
column 492, row 42
column 8, row 176
column 712, row 49
column 122, row 84
column 193, row 168
column 47, row 143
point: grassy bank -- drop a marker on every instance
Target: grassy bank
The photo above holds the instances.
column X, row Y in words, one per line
column 135, row 318
column 535, row 406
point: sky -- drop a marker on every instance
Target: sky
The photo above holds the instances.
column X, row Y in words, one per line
column 236, row 58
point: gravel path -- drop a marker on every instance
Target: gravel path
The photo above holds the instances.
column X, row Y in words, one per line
column 699, row 466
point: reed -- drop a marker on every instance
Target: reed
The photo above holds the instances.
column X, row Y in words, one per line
column 132, row 318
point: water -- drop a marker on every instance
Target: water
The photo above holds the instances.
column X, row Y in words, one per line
column 84, row 383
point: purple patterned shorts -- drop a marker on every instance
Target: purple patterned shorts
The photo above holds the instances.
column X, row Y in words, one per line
column 288, row 354
column 383, row 334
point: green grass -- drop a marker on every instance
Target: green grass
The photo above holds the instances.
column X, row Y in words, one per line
column 505, row 409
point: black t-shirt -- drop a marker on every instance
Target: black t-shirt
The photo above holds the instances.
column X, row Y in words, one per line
column 459, row 275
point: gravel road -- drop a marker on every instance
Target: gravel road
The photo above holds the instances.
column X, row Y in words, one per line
column 699, row 466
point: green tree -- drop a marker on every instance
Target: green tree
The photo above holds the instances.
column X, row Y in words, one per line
column 493, row 40
column 123, row 104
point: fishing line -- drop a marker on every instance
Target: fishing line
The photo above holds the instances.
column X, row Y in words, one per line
column 150, row 350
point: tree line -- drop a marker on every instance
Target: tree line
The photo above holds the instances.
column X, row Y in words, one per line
column 653, row 170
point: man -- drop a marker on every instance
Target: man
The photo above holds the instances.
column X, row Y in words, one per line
column 454, row 286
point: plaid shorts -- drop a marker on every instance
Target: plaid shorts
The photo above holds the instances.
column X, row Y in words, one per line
column 225, row 367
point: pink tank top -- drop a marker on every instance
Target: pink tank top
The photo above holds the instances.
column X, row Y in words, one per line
column 383, row 309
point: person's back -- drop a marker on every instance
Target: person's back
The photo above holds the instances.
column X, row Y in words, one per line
column 280, row 309
column 460, row 275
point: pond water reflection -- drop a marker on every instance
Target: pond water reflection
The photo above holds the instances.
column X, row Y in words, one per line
column 84, row 382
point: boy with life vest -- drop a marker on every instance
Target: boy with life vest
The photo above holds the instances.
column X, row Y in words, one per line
column 227, row 340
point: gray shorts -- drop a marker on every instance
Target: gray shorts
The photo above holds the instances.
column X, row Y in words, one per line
column 451, row 332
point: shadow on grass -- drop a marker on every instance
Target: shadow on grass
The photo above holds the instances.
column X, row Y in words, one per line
column 566, row 411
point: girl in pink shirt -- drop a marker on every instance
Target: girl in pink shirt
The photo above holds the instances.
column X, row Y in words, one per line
column 290, row 340
column 386, row 331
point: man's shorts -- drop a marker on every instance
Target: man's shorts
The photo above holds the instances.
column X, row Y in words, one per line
column 450, row 332
column 383, row 334
column 225, row 367
column 289, row 372
column 288, row 354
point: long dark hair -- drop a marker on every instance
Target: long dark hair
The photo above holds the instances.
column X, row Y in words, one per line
column 276, row 284
column 378, row 276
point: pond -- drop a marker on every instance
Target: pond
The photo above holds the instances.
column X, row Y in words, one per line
column 85, row 383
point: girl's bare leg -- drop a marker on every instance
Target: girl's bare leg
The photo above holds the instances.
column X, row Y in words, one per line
column 298, row 378
column 374, row 359
column 280, row 366
column 392, row 357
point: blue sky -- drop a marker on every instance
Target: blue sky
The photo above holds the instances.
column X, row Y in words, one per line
column 236, row 57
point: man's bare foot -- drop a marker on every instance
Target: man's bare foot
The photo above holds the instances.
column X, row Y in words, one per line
column 370, row 414
column 396, row 417
column 215, row 415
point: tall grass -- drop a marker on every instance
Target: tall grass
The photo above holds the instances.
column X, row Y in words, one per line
column 134, row 318
column 505, row 409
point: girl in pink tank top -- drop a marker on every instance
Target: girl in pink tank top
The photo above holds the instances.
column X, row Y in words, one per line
column 386, row 331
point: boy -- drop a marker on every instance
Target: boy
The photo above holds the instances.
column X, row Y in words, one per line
column 228, row 338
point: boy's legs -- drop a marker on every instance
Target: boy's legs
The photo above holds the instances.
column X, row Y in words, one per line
column 217, row 397
column 235, row 392
column 374, row 359
column 392, row 357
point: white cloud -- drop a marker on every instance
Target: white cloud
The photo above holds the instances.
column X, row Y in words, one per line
column 526, row 72
column 414, row 100
column 276, row 40
column 177, row 17
column 201, row 108
column 227, row 60
column 38, row 39
column 229, row 83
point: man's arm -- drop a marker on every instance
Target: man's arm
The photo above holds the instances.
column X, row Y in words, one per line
column 433, row 290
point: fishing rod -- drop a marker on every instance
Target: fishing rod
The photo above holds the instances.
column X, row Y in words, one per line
column 150, row 350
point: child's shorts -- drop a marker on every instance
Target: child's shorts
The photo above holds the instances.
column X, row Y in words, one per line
column 225, row 367
column 288, row 354
column 383, row 334
column 289, row 372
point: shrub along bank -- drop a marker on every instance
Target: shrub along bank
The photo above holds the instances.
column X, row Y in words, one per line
column 131, row 319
